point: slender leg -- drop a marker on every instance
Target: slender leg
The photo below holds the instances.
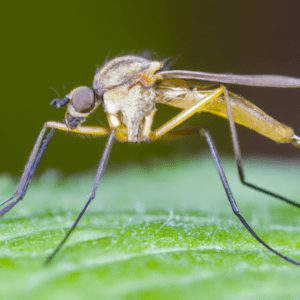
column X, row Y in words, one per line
column 204, row 132
column 238, row 156
column 28, row 178
column 101, row 168
column 36, row 156
column 28, row 165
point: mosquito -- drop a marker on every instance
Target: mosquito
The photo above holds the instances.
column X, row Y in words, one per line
column 128, row 88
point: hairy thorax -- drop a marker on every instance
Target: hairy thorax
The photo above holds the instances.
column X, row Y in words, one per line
column 131, row 105
column 126, row 87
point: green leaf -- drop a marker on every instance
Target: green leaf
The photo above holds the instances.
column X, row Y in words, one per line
column 162, row 231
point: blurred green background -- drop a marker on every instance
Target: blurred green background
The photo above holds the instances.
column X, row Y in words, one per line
column 55, row 43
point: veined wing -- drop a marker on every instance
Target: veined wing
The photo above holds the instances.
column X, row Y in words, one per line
column 185, row 93
column 182, row 93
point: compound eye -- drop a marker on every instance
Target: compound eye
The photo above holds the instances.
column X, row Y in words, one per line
column 83, row 99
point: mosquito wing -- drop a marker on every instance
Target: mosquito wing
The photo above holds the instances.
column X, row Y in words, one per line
column 251, row 80
column 184, row 93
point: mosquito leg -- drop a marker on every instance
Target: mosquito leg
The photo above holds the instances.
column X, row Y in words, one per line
column 97, row 131
column 238, row 156
column 204, row 132
column 29, row 172
column 28, row 165
column 101, row 168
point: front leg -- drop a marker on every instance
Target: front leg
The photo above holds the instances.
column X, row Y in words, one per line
column 36, row 155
